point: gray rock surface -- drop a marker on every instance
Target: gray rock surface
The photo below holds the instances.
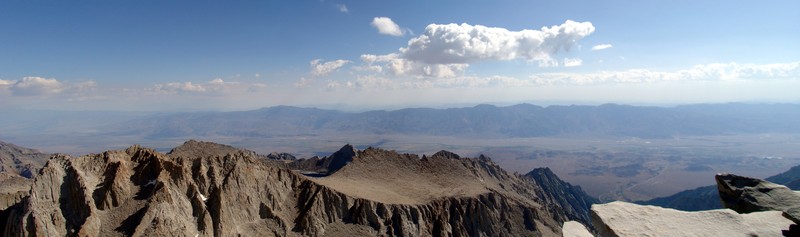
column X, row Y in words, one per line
column 197, row 192
column 746, row 195
column 628, row 219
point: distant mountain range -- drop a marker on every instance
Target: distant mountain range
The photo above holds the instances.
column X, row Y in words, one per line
column 482, row 121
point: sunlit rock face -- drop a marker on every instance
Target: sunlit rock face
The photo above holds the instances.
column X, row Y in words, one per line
column 756, row 208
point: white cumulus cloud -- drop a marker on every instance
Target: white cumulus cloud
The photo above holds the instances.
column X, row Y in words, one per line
column 447, row 50
column 451, row 43
column 320, row 68
column 386, row 26
column 601, row 46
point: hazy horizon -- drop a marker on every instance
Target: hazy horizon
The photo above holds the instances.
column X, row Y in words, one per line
column 157, row 56
column 359, row 109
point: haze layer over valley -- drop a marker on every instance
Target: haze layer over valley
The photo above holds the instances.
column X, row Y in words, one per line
column 615, row 152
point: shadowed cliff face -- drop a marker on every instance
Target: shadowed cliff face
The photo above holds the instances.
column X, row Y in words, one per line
column 195, row 192
column 574, row 203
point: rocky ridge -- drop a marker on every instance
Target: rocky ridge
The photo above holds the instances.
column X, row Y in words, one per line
column 21, row 161
column 574, row 202
column 197, row 190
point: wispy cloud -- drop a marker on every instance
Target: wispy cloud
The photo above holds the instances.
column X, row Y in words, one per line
column 572, row 62
column 321, row 68
column 601, row 47
column 394, row 64
column 342, row 8
column 215, row 87
column 303, row 82
column 39, row 86
column 704, row 72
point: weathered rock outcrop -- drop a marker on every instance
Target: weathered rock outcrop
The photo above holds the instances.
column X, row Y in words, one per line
column 746, row 195
column 196, row 192
column 628, row 219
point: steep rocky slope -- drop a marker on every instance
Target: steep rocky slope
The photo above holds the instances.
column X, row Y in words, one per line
column 17, row 166
column 196, row 190
column 17, row 160
column 574, row 202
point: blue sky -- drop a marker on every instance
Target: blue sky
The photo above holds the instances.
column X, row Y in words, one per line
column 232, row 55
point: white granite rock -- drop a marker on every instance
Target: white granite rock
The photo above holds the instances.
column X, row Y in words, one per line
column 575, row 229
column 628, row 219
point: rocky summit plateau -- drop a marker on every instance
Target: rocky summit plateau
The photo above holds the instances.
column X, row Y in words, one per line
column 207, row 189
